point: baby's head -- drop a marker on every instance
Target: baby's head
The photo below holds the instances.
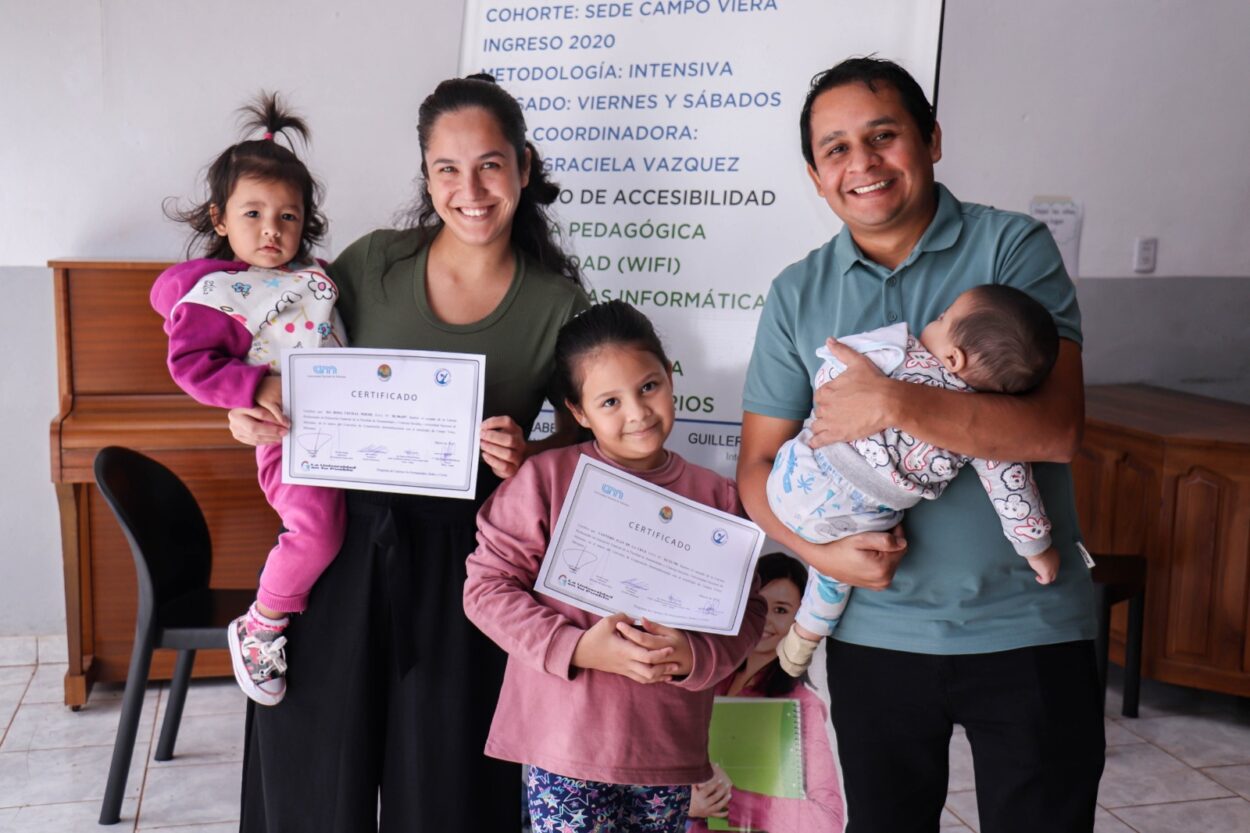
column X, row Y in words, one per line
column 261, row 206
column 995, row 338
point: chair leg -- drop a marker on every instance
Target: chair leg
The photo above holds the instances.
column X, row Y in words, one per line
column 127, row 727
column 1132, row 653
column 1102, row 638
column 173, row 708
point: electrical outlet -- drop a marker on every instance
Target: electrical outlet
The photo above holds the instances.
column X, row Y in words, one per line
column 1145, row 250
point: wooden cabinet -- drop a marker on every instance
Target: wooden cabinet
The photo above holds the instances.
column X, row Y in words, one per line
column 1167, row 475
column 115, row 390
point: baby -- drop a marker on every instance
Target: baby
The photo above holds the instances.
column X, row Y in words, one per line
column 992, row 338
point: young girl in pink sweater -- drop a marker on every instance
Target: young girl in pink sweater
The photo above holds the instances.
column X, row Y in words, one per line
column 612, row 718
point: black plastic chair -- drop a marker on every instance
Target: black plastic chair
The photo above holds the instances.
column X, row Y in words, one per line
column 1119, row 578
column 173, row 558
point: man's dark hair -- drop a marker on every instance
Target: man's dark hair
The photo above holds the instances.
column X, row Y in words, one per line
column 870, row 72
column 1011, row 340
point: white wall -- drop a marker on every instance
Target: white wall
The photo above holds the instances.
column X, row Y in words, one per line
column 1137, row 108
column 109, row 106
column 1134, row 107
column 120, row 103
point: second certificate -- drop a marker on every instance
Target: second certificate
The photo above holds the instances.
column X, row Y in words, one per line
column 622, row 544
column 387, row 421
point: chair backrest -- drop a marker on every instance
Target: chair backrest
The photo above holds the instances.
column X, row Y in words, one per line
column 162, row 522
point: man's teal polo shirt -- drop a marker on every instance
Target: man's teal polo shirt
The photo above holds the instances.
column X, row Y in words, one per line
column 960, row 589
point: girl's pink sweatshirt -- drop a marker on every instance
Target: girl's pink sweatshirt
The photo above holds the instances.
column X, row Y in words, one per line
column 579, row 723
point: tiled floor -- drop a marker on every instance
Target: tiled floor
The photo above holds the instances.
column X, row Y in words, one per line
column 54, row 762
column 1183, row 766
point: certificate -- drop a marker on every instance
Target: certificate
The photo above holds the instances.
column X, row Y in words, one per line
column 385, row 421
column 623, row 545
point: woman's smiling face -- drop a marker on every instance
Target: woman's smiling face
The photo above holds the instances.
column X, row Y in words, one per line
column 474, row 179
column 783, row 599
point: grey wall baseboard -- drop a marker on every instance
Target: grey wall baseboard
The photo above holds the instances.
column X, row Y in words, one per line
column 1188, row 334
column 31, row 597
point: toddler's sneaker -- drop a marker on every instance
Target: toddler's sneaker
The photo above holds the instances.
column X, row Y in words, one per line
column 258, row 656
column 795, row 653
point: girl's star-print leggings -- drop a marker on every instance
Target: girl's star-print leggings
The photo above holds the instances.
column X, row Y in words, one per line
column 569, row 805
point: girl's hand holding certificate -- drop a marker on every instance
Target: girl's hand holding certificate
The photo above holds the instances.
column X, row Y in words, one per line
column 656, row 637
column 613, row 645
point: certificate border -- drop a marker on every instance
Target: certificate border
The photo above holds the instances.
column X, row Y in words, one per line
column 468, row 491
column 579, row 481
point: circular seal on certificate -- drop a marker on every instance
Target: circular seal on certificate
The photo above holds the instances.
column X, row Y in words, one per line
column 719, row 537
column 666, row 513
column 442, row 377
column 384, row 372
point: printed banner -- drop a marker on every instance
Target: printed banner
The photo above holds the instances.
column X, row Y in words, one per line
column 672, row 128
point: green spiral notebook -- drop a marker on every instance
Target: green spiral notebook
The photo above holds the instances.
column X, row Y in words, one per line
column 758, row 741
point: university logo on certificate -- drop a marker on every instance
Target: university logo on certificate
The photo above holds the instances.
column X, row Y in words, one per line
column 623, row 545
column 385, row 421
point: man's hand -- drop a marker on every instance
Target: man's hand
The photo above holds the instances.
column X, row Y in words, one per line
column 1043, row 425
column 866, row 560
column 854, row 404
column 264, row 423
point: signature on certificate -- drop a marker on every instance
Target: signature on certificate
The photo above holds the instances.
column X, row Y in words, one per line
column 676, row 602
column 711, row 608
column 634, row 586
column 445, row 452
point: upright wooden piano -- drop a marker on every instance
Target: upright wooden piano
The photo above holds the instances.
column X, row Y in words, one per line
column 115, row 390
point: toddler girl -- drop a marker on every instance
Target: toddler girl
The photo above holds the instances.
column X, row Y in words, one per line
column 229, row 316
column 612, row 718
